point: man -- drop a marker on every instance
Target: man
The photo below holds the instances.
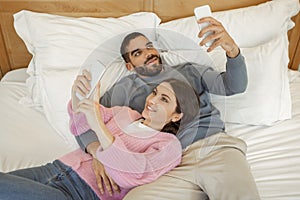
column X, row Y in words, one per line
column 213, row 164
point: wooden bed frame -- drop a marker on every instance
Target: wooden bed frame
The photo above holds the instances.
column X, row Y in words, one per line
column 14, row 55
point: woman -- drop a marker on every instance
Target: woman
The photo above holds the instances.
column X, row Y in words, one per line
column 135, row 149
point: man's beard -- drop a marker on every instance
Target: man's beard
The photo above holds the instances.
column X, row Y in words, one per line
column 149, row 70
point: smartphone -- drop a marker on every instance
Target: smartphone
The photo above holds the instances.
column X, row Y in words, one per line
column 200, row 12
column 97, row 70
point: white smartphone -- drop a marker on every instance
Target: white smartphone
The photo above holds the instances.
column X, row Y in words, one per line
column 200, row 12
column 97, row 70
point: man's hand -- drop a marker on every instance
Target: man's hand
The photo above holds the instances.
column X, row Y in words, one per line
column 220, row 37
column 104, row 180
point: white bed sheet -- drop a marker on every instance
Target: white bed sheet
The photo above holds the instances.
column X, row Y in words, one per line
column 27, row 140
column 274, row 152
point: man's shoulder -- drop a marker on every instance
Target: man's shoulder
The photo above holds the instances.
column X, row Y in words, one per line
column 190, row 66
column 128, row 83
column 127, row 79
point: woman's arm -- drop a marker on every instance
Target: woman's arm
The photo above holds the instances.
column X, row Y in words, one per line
column 93, row 116
column 130, row 167
column 97, row 116
column 78, row 121
column 95, row 120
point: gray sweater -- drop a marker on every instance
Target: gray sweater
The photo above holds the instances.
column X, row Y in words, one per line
column 132, row 91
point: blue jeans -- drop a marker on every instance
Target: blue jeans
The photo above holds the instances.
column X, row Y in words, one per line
column 52, row 181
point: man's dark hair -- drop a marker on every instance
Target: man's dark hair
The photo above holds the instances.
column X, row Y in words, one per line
column 125, row 43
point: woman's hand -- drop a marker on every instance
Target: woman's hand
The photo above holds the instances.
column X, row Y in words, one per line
column 81, row 86
column 220, row 37
column 91, row 109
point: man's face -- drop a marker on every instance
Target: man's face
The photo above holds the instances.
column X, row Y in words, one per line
column 144, row 58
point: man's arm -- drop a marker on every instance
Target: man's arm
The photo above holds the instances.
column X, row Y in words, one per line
column 234, row 80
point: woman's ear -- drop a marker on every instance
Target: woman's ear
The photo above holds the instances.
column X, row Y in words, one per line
column 129, row 66
column 176, row 117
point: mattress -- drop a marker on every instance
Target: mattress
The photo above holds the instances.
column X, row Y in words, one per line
column 273, row 151
column 27, row 139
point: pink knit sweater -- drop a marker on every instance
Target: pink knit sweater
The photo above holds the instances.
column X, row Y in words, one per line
column 133, row 159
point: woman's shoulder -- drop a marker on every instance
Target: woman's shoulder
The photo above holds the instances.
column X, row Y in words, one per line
column 168, row 136
column 125, row 113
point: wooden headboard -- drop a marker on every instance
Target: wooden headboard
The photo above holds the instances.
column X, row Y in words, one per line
column 14, row 55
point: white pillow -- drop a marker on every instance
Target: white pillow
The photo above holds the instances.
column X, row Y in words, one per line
column 249, row 26
column 60, row 46
column 58, row 42
column 56, row 94
column 177, row 48
column 267, row 99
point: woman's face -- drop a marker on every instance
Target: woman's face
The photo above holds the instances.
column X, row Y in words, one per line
column 160, row 107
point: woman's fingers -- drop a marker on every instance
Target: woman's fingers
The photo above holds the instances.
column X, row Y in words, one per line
column 97, row 93
column 84, row 106
column 82, row 84
column 87, row 74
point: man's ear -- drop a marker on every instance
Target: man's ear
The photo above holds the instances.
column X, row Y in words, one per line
column 129, row 66
column 176, row 117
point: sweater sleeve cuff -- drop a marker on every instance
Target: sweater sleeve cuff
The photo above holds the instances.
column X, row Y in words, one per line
column 235, row 56
column 78, row 121
column 86, row 138
column 236, row 61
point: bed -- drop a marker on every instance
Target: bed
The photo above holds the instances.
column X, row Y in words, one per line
column 40, row 57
